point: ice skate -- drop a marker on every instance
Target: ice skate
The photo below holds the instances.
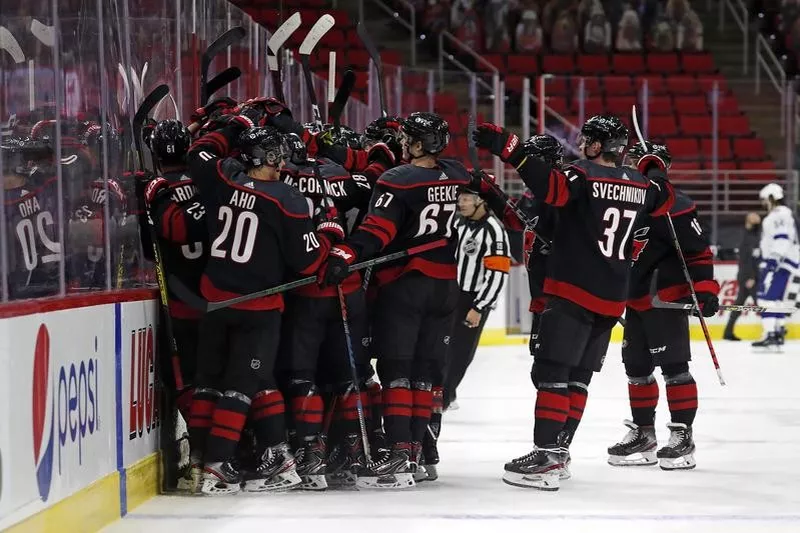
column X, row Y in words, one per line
column 540, row 469
column 311, row 465
column 191, row 476
column 430, row 452
column 276, row 472
column 773, row 341
column 678, row 454
column 637, row 448
column 344, row 461
column 391, row 470
column 221, row 478
column 564, row 439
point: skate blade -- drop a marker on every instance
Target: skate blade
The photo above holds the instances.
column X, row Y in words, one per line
column 685, row 462
column 432, row 473
column 190, row 485
column 634, row 459
column 278, row 483
column 545, row 482
column 215, row 487
column 564, row 474
column 420, row 473
column 315, row 482
column 341, row 480
column 388, row 482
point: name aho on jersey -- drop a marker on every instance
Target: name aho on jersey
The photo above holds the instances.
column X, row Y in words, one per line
column 29, row 207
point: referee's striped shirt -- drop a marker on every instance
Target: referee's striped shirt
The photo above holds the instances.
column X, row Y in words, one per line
column 484, row 259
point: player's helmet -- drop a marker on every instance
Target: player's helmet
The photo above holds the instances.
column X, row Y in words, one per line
column 93, row 139
column 262, row 146
column 11, row 156
column 429, row 128
column 636, row 152
column 772, row 190
column 382, row 130
column 546, row 148
column 608, row 130
column 170, row 141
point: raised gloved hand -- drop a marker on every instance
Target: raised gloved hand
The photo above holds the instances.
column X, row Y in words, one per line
column 336, row 268
column 298, row 154
column 218, row 106
column 650, row 162
column 326, row 218
column 383, row 154
column 768, row 265
column 482, row 181
column 223, row 121
column 498, row 141
column 155, row 189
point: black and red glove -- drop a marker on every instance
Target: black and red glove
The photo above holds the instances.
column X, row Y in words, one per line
column 709, row 304
column 218, row 106
column 650, row 162
column 156, row 189
column 229, row 120
column 383, row 154
column 269, row 105
column 326, row 218
column 482, row 181
column 498, row 141
column 336, row 268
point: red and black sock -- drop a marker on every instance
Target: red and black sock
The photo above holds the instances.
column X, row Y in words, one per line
column 375, row 394
column 397, row 409
column 682, row 398
column 204, row 400
column 436, row 409
column 307, row 409
column 349, row 411
column 184, row 402
column 578, row 393
column 421, row 410
column 643, row 395
column 267, row 413
column 552, row 408
column 227, row 422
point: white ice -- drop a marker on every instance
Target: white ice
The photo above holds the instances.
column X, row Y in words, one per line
column 747, row 477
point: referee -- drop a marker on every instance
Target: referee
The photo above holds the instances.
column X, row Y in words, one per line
column 483, row 264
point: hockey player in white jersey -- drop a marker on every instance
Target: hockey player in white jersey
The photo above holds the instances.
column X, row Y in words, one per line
column 780, row 260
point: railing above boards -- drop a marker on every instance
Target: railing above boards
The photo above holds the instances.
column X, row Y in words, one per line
column 410, row 24
column 741, row 16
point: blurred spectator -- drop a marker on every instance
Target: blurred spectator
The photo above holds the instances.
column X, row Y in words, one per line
column 466, row 23
column 552, row 11
column 597, row 31
column 529, row 35
column 662, row 35
column 564, row 37
column 436, row 15
column 676, row 10
column 496, row 25
column 629, row 32
column 690, row 32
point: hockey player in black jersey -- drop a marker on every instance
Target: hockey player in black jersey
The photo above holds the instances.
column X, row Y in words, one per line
column 587, row 273
column 660, row 337
column 413, row 315
column 260, row 233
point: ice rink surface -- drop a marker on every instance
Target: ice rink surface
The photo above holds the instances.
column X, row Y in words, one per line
column 747, row 477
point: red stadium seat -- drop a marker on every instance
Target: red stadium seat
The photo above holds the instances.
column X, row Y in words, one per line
column 749, row 148
column 760, row 170
column 659, row 106
column 620, row 105
column 391, row 57
column 696, row 125
column 627, row 63
column 592, row 85
column 734, row 125
column 665, row 126
column 558, row 64
column 663, row 63
column 593, row 64
column 358, row 58
column 682, row 85
column 707, row 83
column 522, row 64
column 618, row 85
column 724, row 151
column 592, row 106
column 557, row 85
column 514, row 83
column 691, row 105
column 655, row 85
column 497, row 60
column 445, row 103
column 698, row 63
column 728, row 105
column 559, row 103
column 683, row 148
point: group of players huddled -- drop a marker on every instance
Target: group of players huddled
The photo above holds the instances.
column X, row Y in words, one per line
column 279, row 391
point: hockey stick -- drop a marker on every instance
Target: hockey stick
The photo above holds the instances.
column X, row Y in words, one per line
column 225, row 41
column 684, row 267
column 375, row 56
column 149, row 103
column 274, row 44
column 340, row 101
column 315, row 35
column 226, row 77
column 10, row 44
column 45, row 34
column 331, row 79
column 196, row 302
column 658, row 303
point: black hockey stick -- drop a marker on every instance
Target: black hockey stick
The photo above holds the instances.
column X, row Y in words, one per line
column 315, row 35
column 148, row 104
column 375, row 56
column 196, row 302
column 275, row 43
column 684, row 267
column 342, row 96
column 225, row 41
column 226, row 77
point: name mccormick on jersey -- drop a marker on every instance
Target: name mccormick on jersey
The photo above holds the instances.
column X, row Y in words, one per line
column 310, row 185
column 619, row 193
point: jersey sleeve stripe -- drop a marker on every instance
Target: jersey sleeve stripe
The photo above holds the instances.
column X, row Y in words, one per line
column 383, row 228
column 780, row 236
column 499, row 263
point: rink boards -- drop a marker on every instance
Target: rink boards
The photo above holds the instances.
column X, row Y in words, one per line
column 79, row 423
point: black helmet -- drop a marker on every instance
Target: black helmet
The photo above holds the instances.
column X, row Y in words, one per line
column 608, row 130
column 11, row 156
column 93, row 139
column 263, row 145
column 382, row 130
column 546, row 148
column 636, row 152
column 429, row 128
column 170, row 141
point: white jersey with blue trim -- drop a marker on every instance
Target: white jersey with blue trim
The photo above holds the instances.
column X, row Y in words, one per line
column 779, row 238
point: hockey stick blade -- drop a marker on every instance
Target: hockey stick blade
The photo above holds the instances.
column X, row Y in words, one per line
column 149, row 103
column 223, row 42
column 280, row 36
column 10, row 44
column 226, row 77
column 45, row 34
column 637, row 129
column 316, row 33
column 342, row 96
column 375, row 56
column 193, row 300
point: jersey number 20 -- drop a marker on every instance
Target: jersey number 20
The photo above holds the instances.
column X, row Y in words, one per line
column 608, row 244
column 244, row 235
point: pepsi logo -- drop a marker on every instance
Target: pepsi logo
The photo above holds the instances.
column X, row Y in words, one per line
column 42, row 413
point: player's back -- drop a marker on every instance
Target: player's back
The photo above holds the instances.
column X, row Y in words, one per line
column 590, row 263
column 779, row 236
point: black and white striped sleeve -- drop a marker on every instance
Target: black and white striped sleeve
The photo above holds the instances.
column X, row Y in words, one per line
column 496, row 265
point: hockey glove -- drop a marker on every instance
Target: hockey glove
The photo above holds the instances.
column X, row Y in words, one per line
column 156, row 189
column 147, row 131
column 253, row 114
column 649, row 162
column 768, row 265
column 337, row 268
column 709, row 304
column 297, row 149
column 269, row 105
column 382, row 154
column 481, row 181
column 326, row 218
column 498, row 141
column 223, row 121
column 218, row 106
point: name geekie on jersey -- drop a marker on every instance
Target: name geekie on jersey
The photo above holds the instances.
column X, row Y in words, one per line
column 619, row 193
column 443, row 193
